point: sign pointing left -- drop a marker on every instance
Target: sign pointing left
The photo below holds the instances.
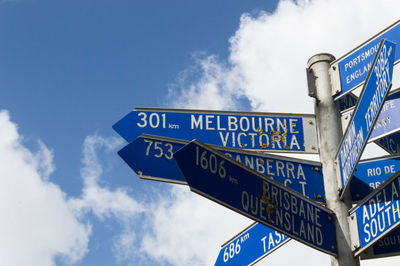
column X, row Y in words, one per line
column 250, row 246
column 243, row 130
column 235, row 186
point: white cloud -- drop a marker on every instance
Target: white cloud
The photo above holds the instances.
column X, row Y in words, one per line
column 37, row 224
column 39, row 220
column 102, row 201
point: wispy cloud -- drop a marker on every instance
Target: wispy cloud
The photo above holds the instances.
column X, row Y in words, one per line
column 208, row 83
column 37, row 223
column 102, row 201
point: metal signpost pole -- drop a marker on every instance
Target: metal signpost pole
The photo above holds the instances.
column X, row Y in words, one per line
column 329, row 134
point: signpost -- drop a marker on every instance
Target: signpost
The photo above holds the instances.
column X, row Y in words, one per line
column 284, row 195
column 227, row 182
column 250, row 246
column 371, row 173
column 376, row 215
column 243, row 130
column 366, row 111
column 350, row 71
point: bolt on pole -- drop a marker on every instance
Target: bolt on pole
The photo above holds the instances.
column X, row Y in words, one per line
column 329, row 136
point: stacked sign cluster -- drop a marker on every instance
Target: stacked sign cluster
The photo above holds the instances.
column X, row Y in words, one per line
column 225, row 156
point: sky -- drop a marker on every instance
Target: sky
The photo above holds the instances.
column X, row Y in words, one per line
column 69, row 70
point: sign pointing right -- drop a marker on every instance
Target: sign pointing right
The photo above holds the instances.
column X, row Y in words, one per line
column 351, row 70
column 376, row 215
column 366, row 112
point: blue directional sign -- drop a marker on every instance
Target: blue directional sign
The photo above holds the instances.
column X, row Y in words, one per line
column 151, row 158
column 389, row 119
column 351, row 70
column 376, row 215
column 243, row 130
column 387, row 246
column 233, row 185
column 390, row 143
column 371, row 173
column 366, row 112
column 250, row 246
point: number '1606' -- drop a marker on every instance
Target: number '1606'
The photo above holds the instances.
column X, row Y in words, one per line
column 208, row 161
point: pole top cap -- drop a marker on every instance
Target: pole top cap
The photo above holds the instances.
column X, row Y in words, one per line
column 323, row 57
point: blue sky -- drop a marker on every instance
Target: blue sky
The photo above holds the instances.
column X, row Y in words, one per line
column 70, row 69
